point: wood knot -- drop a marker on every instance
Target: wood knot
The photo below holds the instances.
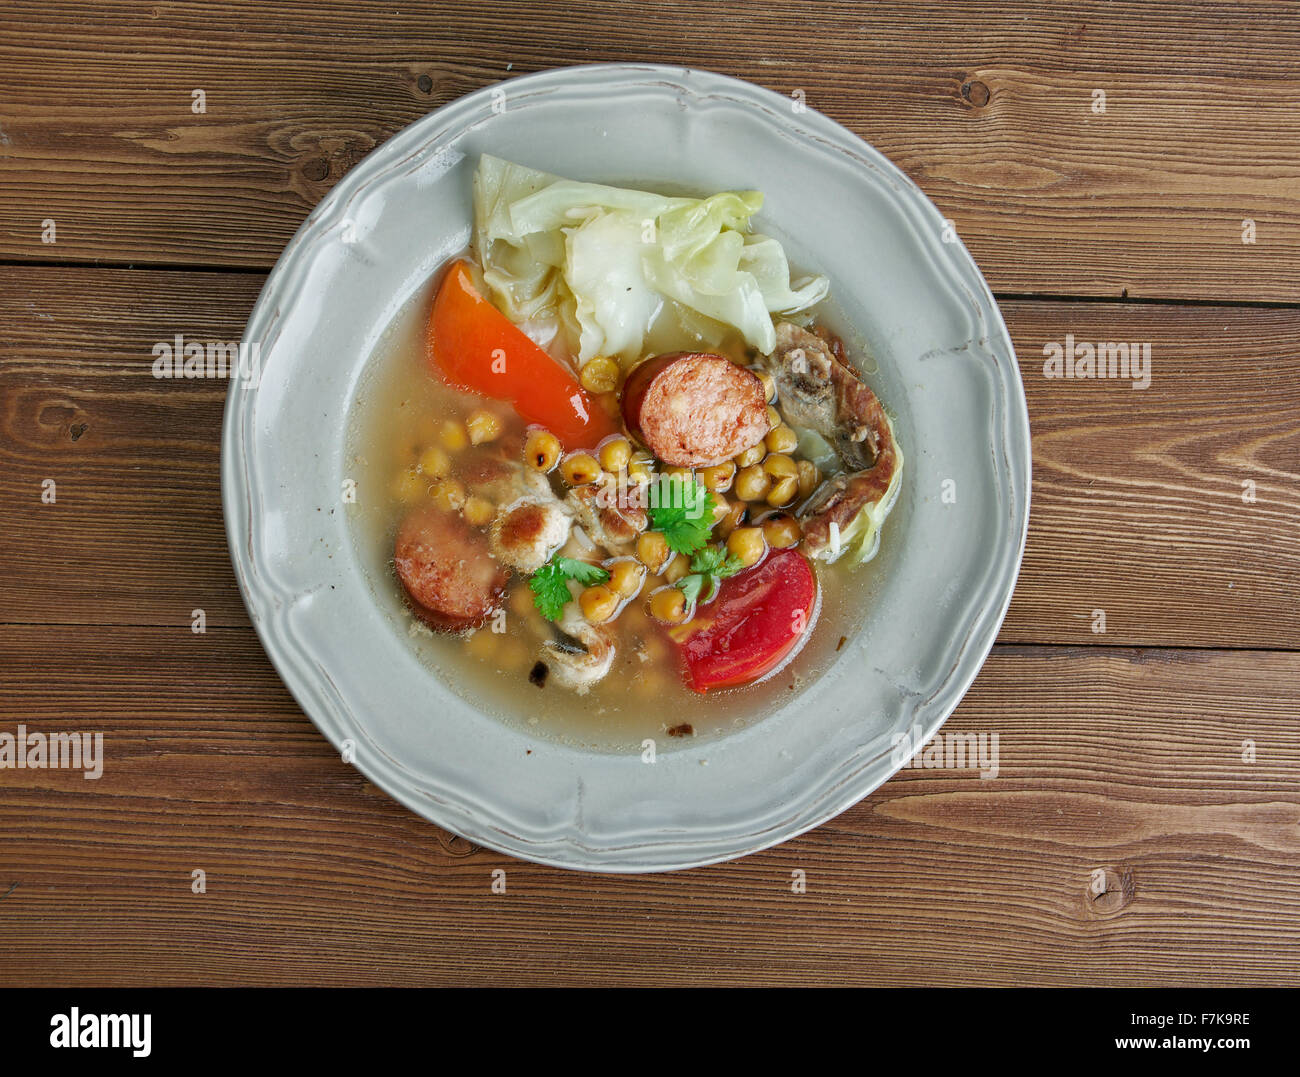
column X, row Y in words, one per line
column 76, row 430
column 975, row 92
column 454, row 845
column 425, row 84
column 316, row 169
column 55, row 415
column 1110, row 890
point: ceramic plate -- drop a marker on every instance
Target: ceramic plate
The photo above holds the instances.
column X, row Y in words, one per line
column 944, row 366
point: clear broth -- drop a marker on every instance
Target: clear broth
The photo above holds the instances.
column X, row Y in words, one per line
column 397, row 412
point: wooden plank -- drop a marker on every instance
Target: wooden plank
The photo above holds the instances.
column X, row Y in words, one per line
column 1137, row 505
column 1170, row 509
column 1122, row 766
column 990, row 106
column 135, row 460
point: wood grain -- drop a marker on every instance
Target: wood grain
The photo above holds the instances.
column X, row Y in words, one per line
column 988, row 106
column 1137, row 504
column 1144, row 825
column 1173, row 508
column 135, row 460
column 1119, row 766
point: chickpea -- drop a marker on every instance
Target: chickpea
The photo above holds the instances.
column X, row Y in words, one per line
column 580, row 468
column 640, row 472
column 483, row 643
column 753, row 483
column 769, row 385
column 598, row 603
column 409, row 485
column 678, row 567
column 513, row 652
column 783, row 492
column 448, row 495
column 626, row 577
column 479, row 510
column 752, row 455
column 781, row 439
column 654, row 648
column 652, row 550
column 773, row 417
column 541, row 449
column 611, row 405
column 779, row 466
column 737, row 512
column 427, row 428
column 600, row 375
column 649, row 682
column 668, row 606
column 721, row 510
column 678, row 472
column 615, row 454
column 719, row 479
column 520, row 601
column 809, row 477
column 782, row 531
column 453, row 435
column 435, row 462
column 748, row 544
column 483, row 426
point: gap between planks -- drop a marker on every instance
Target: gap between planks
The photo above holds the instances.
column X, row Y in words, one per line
column 1000, row 296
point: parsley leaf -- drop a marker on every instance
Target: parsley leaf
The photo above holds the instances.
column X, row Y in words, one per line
column 550, row 587
column 550, row 591
column 683, row 510
column 583, row 571
column 691, row 586
column 716, row 561
column 709, row 567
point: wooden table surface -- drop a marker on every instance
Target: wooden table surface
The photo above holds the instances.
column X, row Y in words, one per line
column 1118, row 172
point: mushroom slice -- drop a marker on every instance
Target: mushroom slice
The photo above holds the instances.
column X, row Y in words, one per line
column 581, row 664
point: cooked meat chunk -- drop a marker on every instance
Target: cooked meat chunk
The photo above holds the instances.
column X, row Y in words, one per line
column 493, row 476
column 820, row 391
column 528, row 531
column 608, row 519
column 584, row 657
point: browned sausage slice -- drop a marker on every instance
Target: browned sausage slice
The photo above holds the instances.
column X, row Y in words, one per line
column 447, row 570
column 693, row 409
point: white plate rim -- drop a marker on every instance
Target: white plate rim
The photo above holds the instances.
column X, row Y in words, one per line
column 315, row 690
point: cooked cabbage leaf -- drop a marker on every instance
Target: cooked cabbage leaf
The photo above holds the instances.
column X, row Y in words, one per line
column 602, row 264
column 612, row 299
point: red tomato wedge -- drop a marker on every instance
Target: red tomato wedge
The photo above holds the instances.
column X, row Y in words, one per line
column 472, row 346
column 755, row 622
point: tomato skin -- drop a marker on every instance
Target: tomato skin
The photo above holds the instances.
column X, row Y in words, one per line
column 473, row 347
column 757, row 620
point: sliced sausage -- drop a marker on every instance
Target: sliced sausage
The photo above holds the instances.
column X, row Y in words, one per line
column 448, row 573
column 693, row 409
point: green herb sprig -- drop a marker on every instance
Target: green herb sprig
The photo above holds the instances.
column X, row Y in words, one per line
column 550, row 587
column 709, row 567
column 683, row 510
